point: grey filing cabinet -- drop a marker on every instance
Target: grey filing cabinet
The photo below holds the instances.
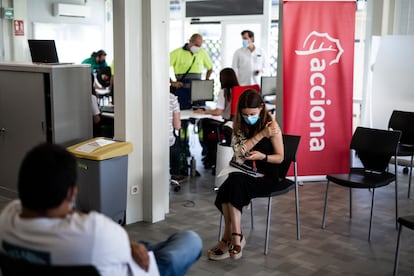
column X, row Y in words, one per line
column 40, row 103
column 102, row 176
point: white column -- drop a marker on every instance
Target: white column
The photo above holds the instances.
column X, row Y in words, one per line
column 141, row 102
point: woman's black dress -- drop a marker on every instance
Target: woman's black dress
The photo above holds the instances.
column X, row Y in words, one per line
column 239, row 188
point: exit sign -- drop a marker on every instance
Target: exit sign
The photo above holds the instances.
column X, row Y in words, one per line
column 8, row 13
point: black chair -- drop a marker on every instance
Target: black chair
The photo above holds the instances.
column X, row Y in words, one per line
column 374, row 147
column 404, row 122
column 291, row 144
column 12, row 267
column 407, row 221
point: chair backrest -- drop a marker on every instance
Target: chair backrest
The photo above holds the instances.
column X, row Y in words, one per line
column 12, row 267
column 375, row 147
column 236, row 91
column 291, row 144
column 403, row 121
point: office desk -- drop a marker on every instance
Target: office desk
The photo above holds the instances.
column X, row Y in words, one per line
column 187, row 117
column 107, row 114
column 190, row 114
column 102, row 91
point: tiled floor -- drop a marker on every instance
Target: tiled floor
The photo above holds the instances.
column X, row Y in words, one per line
column 340, row 249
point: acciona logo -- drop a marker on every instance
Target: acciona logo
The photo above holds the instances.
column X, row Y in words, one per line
column 323, row 49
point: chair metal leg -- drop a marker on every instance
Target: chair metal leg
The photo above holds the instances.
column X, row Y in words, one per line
column 269, row 210
column 326, row 205
column 251, row 214
column 372, row 211
column 350, row 202
column 297, row 211
column 220, row 228
column 396, row 204
column 397, row 252
column 409, row 179
column 396, row 192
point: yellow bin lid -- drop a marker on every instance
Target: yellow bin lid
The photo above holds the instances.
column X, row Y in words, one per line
column 100, row 148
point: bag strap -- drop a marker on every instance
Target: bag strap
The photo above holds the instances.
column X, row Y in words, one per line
column 188, row 70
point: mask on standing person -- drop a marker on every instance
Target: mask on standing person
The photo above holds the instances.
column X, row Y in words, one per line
column 194, row 49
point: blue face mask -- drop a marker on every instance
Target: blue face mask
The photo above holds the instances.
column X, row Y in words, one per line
column 245, row 43
column 251, row 120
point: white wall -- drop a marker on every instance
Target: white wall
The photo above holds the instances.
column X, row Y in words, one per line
column 392, row 82
column 63, row 29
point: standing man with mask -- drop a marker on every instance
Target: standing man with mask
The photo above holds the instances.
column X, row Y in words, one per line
column 188, row 63
column 249, row 62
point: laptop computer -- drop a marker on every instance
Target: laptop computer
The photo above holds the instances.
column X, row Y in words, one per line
column 44, row 51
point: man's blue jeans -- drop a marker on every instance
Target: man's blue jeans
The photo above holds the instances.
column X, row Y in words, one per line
column 177, row 254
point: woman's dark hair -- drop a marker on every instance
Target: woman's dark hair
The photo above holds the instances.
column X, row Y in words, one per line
column 98, row 54
column 45, row 176
column 250, row 98
column 228, row 79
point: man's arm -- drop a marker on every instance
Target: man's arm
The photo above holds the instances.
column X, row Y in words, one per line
column 265, row 64
column 176, row 120
column 176, row 84
column 208, row 74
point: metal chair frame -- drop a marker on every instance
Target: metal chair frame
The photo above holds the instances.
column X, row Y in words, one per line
column 375, row 156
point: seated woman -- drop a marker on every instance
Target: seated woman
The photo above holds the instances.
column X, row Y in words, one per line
column 228, row 79
column 257, row 141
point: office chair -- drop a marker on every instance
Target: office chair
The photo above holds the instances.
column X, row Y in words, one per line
column 291, row 144
column 404, row 122
column 236, row 91
column 407, row 221
column 11, row 267
column 374, row 147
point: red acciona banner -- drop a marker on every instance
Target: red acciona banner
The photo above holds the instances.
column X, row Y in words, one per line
column 318, row 57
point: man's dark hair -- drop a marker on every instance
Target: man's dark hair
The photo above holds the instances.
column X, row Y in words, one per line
column 249, row 33
column 45, row 176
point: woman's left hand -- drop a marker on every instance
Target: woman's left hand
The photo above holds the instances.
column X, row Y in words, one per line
column 255, row 155
column 271, row 129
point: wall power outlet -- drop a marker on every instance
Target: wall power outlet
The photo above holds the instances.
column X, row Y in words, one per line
column 134, row 190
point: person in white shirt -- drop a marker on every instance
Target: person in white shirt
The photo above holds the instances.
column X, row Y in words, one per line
column 228, row 80
column 41, row 226
column 96, row 112
column 249, row 62
column 175, row 125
